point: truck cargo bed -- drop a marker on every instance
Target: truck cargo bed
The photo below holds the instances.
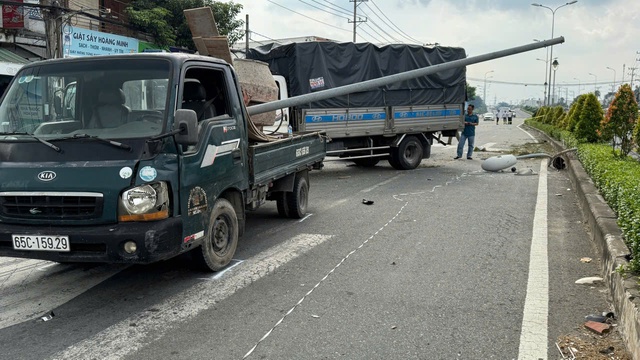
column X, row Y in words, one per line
column 273, row 160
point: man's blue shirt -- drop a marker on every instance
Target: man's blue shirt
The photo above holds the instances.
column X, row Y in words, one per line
column 470, row 130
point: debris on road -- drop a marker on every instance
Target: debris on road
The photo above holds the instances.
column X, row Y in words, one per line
column 367, row 202
column 315, row 316
column 589, row 280
column 47, row 317
column 585, row 260
column 596, row 318
column 600, row 328
column 394, row 327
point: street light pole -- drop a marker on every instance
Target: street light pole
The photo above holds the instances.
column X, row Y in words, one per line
column 595, row 85
column 613, row 88
column 555, row 67
column 484, row 96
column 545, row 75
column 553, row 20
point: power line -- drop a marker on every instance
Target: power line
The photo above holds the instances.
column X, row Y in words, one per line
column 321, row 9
column 334, row 7
column 339, row 7
column 376, row 25
column 264, row 36
column 375, row 31
column 308, row 17
column 396, row 26
column 368, row 33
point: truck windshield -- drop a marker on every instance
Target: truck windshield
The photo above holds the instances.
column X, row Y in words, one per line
column 106, row 98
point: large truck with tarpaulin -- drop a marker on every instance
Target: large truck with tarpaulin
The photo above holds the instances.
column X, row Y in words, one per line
column 398, row 122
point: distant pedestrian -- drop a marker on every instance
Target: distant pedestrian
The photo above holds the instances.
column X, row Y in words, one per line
column 510, row 116
column 497, row 118
column 504, row 117
column 469, row 133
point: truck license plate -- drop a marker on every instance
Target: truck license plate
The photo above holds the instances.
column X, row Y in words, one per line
column 41, row 242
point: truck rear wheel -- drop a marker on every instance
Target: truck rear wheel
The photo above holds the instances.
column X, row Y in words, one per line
column 283, row 204
column 299, row 198
column 407, row 155
column 221, row 239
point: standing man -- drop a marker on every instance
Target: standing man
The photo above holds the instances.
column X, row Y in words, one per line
column 469, row 132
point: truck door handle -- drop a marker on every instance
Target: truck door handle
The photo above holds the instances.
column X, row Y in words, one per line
column 236, row 155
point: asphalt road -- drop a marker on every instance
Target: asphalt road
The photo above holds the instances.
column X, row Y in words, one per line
column 449, row 262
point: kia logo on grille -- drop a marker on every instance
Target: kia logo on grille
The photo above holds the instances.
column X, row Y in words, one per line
column 35, row 211
column 46, row 176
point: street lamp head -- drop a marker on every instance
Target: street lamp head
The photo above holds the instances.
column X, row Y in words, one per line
column 536, row 4
column 572, row 2
column 555, row 64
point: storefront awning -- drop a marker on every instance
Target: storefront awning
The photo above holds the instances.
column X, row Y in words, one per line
column 10, row 62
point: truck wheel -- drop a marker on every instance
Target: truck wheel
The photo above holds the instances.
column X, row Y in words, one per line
column 298, row 199
column 366, row 162
column 408, row 155
column 221, row 239
column 283, row 204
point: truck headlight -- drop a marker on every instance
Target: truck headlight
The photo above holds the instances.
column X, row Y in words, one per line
column 144, row 203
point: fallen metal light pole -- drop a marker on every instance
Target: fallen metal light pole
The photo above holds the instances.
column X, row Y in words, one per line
column 390, row 79
column 503, row 162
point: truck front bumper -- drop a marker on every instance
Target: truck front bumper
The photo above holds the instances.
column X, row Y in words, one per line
column 155, row 241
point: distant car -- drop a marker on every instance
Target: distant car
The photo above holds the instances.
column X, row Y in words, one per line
column 513, row 114
column 488, row 117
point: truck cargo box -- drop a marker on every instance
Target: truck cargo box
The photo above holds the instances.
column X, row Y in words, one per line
column 315, row 66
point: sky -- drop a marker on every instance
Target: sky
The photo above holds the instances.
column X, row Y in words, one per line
column 598, row 34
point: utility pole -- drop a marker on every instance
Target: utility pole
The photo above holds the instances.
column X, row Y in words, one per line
column 356, row 19
column 248, row 37
column 53, row 26
column 633, row 71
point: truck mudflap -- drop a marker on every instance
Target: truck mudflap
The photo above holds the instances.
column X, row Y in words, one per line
column 154, row 241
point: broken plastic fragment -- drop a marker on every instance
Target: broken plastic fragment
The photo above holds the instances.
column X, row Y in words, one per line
column 589, row 280
column 596, row 318
column 600, row 328
column 315, row 316
column 48, row 317
column 367, row 202
column 586, row 260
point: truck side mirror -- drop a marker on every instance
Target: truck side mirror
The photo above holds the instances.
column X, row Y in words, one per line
column 186, row 121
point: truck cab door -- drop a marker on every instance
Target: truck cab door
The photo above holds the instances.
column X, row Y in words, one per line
column 218, row 162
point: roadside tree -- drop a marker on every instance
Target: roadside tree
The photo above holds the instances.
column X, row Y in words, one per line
column 574, row 113
column 589, row 120
column 621, row 119
column 165, row 20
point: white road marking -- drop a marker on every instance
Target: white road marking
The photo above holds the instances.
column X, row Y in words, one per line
column 526, row 132
column 381, row 184
column 533, row 335
column 219, row 274
column 487, row 146
column 31, row 288
column 121, row 339
column 266, row 335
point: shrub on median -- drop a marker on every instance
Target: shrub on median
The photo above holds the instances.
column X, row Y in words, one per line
column 617, row 179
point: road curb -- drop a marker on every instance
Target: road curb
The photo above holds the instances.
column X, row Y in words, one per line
column 607, row 236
